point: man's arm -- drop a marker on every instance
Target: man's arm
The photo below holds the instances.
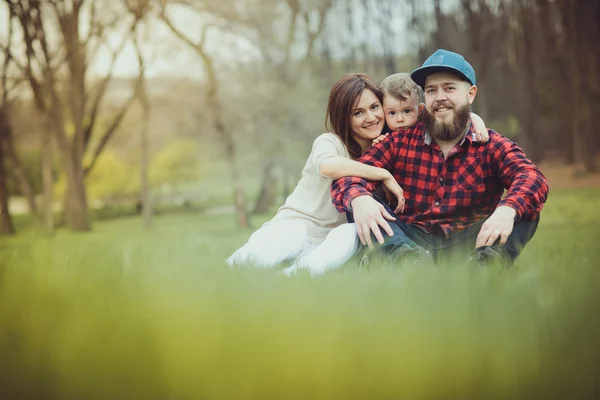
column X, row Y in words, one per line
column 527, row 190
column 353, row 193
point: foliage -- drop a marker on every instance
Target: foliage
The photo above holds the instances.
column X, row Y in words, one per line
column 178, row 162
column 111, row 177
column 114, row 178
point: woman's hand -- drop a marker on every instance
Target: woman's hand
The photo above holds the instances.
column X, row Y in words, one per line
column 394, row 192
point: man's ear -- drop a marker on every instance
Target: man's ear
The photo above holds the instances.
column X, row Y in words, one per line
column 472, row 93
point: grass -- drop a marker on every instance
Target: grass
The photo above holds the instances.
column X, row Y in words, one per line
column 124, row 313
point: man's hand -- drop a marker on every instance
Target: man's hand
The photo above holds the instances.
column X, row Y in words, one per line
column 369, row 215
column 394, row 192
column 499, row 225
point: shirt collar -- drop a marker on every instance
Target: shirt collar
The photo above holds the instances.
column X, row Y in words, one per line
column 469, row 132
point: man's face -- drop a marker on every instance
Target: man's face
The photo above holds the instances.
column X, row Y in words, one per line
column 447, row 103
column 400, row 113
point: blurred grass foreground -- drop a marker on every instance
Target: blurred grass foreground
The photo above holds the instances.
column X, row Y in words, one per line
column 124, row 313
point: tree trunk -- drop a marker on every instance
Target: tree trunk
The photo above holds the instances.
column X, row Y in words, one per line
column 6, row 224
column 47, row 183
column 21, row 174
column 266, row 196
column 571, row 29
column 440, row 33
column 559, row 43
column 586, row 37
column 529, row 76
column 76, row 200
column 239, row 194
column 145, row 148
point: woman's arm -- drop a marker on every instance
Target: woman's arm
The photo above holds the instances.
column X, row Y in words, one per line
column 340, row 167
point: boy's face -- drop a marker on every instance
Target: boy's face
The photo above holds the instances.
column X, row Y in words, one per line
column 400, row 113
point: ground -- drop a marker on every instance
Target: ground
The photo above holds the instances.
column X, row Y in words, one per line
column 125, row 313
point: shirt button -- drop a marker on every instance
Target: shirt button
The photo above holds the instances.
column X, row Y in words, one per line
column 437, row 203
column 441, row 153
column 441, row 179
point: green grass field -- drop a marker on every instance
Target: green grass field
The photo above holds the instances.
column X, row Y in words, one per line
column 124, row 313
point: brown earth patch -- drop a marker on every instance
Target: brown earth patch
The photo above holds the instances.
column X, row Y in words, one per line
column 568, row 176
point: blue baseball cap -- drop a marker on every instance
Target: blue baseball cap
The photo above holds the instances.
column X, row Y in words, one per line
column 444, row 60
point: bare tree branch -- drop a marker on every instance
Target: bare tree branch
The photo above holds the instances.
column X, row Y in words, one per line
column 199, row 47
column 7, row 60
column 103, row 85
column 99, row 32
column 112, row 128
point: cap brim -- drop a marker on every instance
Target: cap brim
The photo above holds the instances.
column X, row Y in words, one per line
column 420, row 74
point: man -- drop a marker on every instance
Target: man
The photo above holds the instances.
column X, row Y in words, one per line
column 453, row 185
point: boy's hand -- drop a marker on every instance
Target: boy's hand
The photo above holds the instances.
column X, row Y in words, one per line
column 482, row 136
column 394, row 193
column 379, row 138
column 481, row 132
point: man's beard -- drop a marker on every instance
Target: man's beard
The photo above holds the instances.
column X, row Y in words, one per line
column 446, row 131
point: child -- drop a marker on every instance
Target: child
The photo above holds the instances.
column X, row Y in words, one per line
column 402, row 106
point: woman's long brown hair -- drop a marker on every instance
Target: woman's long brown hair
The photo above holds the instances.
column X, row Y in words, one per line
column 342, row 100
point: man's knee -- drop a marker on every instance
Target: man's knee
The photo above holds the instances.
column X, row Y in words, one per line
column 506, row 255
column 522, row 233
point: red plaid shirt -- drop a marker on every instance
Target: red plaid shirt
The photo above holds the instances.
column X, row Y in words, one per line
column 456, row 192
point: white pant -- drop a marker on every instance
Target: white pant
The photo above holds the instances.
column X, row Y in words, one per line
column 339, row 246
column 283, row 240
column 273, row 243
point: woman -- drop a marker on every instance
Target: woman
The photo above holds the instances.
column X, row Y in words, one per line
column 355, row 117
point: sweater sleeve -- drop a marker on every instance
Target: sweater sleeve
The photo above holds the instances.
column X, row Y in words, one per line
column 325, row 146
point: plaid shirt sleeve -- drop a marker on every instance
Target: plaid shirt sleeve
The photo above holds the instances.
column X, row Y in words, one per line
column 344, row 190
column 527, row 188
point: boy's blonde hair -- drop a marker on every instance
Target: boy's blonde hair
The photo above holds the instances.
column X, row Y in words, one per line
column 402, row 87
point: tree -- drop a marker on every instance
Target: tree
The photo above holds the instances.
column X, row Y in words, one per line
column 57, row 56
column 306, row 21
column 6, row 224
column 139, row 8
column 216, row 111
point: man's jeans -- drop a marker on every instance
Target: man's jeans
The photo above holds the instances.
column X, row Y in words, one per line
column 456, row 247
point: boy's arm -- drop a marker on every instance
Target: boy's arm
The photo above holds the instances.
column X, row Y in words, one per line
column 481, row 132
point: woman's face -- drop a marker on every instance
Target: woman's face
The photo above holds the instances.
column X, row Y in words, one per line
column 367, row 119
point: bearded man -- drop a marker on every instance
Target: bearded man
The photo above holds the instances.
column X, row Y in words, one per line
column 453, row 185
